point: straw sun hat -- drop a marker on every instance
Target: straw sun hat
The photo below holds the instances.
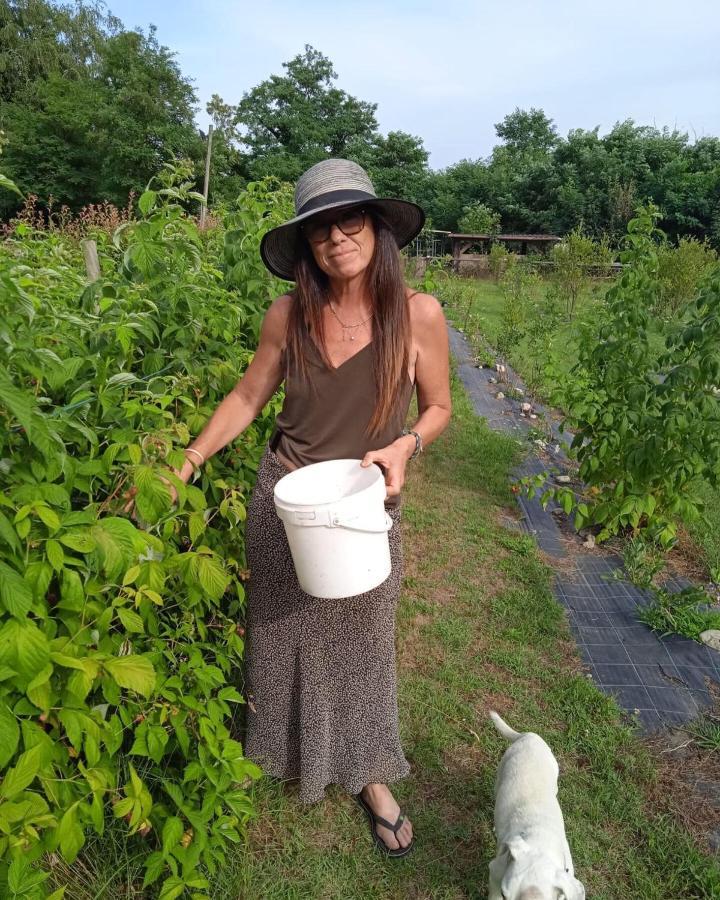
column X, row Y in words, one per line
column 335, row 184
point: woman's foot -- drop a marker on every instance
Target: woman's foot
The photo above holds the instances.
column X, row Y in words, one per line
column 382, row 803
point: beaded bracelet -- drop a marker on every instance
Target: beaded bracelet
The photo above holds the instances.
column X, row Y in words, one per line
column 418, row 442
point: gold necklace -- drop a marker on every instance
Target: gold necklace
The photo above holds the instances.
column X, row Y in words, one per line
column 348, row 327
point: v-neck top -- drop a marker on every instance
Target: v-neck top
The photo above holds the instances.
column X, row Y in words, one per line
column 326, row 415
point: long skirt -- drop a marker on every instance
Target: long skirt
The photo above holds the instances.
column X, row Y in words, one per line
column 320, row 675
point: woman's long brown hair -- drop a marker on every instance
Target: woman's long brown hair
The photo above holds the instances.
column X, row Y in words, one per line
column 391, row 318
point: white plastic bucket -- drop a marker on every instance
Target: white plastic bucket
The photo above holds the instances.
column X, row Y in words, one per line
column 336, row 525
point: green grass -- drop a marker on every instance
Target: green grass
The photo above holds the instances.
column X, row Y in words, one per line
column 478, row 627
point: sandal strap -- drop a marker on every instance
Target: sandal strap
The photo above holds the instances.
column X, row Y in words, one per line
column 384, row 822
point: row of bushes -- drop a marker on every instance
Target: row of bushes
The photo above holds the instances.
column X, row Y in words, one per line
column 120, row 641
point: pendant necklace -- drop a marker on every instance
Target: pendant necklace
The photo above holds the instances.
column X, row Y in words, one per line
column 348, row 327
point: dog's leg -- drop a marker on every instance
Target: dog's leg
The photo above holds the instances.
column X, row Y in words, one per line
column 497, row 870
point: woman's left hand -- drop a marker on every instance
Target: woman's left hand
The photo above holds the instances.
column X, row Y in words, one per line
column 393, row 460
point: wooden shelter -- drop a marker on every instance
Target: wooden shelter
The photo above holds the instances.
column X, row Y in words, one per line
column 470, row 251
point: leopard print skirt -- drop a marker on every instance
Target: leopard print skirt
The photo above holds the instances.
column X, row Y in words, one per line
column 320, row 675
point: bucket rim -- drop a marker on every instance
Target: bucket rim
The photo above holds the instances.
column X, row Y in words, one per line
column 343, row 498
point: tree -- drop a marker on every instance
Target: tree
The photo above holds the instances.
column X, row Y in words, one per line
column 289, row 122
column 97, row 115
column 520, row 168
column 477, row 218
column 448, row 192
column 527, row 132
column 396, row 164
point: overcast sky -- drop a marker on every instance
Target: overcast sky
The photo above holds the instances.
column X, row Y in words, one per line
column 448, row 70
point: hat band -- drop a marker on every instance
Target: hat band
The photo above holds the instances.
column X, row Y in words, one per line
column 333, row 198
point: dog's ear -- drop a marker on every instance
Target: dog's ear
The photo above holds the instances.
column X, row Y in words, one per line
column 571, row 887
column 517, row 847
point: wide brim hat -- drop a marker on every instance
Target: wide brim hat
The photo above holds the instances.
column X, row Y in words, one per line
column 335, row 184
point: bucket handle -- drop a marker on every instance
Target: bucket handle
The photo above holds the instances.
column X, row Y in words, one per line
column 334, row 519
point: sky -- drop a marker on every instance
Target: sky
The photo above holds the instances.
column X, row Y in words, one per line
column 448, row 70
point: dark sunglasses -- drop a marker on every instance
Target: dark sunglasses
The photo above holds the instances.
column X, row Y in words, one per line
column 350, row 222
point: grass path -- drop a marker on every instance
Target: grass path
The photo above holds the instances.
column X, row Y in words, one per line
column 477, row 626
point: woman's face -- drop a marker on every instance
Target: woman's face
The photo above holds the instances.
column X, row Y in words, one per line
column 342, row 256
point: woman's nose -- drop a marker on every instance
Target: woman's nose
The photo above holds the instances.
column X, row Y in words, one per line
column 336, row 233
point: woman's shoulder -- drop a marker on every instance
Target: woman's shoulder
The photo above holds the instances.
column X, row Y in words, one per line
column 425, row 310
column 280, row 306
column 275, row 320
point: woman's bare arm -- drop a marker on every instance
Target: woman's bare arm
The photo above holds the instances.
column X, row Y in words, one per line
column 432, row 369
column 432, row 377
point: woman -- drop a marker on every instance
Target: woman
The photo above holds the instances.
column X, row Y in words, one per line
column 350, row 343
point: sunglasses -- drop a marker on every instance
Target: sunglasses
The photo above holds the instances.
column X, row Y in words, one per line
column 350, row 222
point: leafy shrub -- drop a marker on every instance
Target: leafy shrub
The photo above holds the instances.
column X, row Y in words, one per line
column 680, row 273
column 543, row 322
column 477, row 218
column 120, row 642
column 519, row 287
column 575, row 258
column 645, row 420
column 499, row 259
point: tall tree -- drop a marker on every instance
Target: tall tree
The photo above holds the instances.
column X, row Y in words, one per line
column 92, row 110
column 289, row 122
column 397, row 164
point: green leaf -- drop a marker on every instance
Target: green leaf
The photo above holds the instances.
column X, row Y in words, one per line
column 78, row 540
column 20, row 403
column 8, row 534
column 15, row 593
column 70, row 834
column 154, row 867
column 22, row 877
column 147, row 201
column 130, row 620
column 172, row 887
column 9, row 185
column 212, row 576
column 9, row 735
column 55, row 554
column 133, row 672
column 157, row 739
column 23, row 773
column 115, row 545
column 72, row 593
column 48, row 516
column 196, row 525
column 172, row 832
column 38, row 691
column 38, row 575
column 24, row 647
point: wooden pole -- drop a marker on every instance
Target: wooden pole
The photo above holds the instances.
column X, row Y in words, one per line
column 206, row 186
column 92, row 263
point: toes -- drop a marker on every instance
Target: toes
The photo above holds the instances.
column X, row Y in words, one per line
column 388, row 838
column 405, row 834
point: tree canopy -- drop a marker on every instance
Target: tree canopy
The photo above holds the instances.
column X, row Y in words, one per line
column 92, row 110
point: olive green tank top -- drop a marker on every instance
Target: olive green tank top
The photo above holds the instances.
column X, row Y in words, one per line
column 326, row 415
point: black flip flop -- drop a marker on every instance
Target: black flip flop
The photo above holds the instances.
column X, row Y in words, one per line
column 378, row 820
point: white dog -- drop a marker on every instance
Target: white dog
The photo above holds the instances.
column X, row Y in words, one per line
column 533, row 858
